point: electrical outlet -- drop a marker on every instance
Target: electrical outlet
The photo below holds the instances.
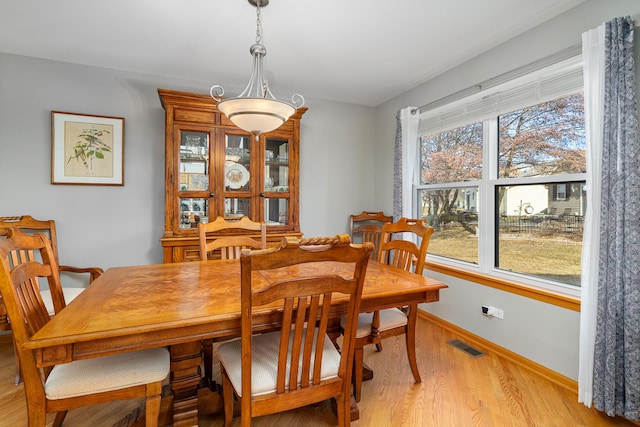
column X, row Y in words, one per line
column 496, row 312
column 490, row 311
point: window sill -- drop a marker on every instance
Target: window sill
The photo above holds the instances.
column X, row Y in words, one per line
column 544, row 295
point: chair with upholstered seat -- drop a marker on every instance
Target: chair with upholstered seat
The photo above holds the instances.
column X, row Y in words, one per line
column 25, row 260
column 230, row 245
column 367, row 227
column 373, row 327
column 297, row 365
column 30, row 225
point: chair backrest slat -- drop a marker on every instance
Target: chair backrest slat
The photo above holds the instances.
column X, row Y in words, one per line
column 309, row 352
column 284, row 345
column 294, row 355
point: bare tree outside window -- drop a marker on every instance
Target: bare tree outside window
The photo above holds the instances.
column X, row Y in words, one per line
column 544, row 139
column 452, row 156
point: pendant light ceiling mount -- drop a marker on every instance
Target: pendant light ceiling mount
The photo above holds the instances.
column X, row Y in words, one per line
column 256, row 110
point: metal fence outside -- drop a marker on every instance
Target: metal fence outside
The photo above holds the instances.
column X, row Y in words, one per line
column 547, row 225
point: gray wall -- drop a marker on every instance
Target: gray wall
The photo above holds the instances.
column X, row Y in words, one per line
column 546, row 334
column 114, row 226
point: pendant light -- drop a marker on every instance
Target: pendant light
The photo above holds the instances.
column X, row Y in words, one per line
column 256, row 110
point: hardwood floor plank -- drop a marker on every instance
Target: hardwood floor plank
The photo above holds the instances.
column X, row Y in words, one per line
column 456, row 390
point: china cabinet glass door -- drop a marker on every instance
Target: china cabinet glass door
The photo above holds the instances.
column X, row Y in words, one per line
column 276, row 193
column 193, row 177
column 237, row 177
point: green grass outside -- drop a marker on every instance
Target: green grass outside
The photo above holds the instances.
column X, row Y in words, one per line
column 553, row 259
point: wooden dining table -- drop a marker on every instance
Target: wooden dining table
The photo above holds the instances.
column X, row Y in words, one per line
column 179, row 305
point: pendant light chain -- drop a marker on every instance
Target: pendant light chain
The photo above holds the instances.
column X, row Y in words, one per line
column 258, row 24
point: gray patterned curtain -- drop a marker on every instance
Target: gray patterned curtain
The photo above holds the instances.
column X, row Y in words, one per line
column 397, row 171
column 616, row 370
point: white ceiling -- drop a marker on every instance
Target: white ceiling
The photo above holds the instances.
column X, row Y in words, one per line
column 357, row 51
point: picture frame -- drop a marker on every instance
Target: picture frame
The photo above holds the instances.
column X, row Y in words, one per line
column 87, row 149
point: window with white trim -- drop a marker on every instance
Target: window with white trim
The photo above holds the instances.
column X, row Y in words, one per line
column 502, row 179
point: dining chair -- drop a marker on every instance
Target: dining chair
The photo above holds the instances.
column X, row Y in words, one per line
column 28, row 224
column 297, row 365
column 374, row 327
column 230, row 245
column 25, row 261
column 367, row 227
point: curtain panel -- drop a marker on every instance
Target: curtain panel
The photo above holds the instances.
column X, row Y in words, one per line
column 616, row 346
column 405, row 162
column 593, row 55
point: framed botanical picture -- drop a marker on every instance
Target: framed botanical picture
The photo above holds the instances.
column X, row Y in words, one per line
column 86, row 149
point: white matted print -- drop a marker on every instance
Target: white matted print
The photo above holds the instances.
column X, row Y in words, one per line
column 87, row 149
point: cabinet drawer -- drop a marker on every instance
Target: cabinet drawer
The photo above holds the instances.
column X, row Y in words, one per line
column 185, row 253
column 186, row 115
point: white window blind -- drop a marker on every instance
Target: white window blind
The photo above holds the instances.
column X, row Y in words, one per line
column 546, row 84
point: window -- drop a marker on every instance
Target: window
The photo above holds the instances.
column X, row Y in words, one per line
column 449, row 160
column 560, row 192
column 502, row 180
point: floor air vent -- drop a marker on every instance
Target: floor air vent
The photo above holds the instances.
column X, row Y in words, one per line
column 466, row 348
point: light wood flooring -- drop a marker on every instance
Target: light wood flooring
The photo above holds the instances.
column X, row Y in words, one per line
column 456, row 390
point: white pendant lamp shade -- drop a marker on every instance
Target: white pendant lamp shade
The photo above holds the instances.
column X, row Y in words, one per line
column 256, row 115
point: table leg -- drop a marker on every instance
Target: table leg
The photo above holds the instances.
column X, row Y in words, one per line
column 367, row 372
column 353, row 410
column 185, row 377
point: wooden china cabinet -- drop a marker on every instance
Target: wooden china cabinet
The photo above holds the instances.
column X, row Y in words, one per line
column 213, row 168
